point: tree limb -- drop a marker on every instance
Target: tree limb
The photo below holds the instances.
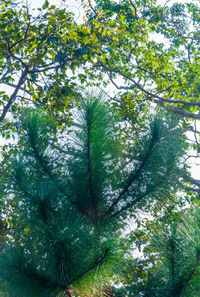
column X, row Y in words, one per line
column 14, row 95
column 193, row 180
column 193, row 189
column 89, row 169
column 150, row 96
column 179, row 291
column 95, row 265
column 133, row 176
column 14, row 86
column 136, row 15
column 92, row 8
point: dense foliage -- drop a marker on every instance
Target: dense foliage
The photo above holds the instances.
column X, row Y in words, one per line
column 170, row 262
column 71, row 180
column 152, row 47
column 155, row 50
column 48, row 57
column 71, row 202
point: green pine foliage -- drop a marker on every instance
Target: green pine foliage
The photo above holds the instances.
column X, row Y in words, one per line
column 73, row 191
column 171, row 263
column 178, row 246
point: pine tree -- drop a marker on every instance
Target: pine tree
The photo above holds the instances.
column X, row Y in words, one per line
column 74, row 191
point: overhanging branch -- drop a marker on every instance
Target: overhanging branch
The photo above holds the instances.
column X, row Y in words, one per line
column 151, row 96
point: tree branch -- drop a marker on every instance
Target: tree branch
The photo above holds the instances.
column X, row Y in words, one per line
column 25, row 35
column 135, row 175
column 68, row 293
column 136, row 15
column 193, row 189
column 92, row 8
column 94, row 266
column 151, row 96
column 14, row 95
column 193, row 180
column 15, row 57
column 172, row 247
column 14, row 86
column 7, row 71
column 89, row 169
column 179, row 291
column 184, row 113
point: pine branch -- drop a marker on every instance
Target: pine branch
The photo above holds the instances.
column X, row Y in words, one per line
column 94, row 266
column 46, row 170
column 40, row 205
column 41, row 160
column 44, row 281
column 23, row 189
column 141, row 197
column 172, row 247
column 58, row 245
column 89, row 170
column 79, row 293
column 136, row 174
column 41, row 279
column 178, row 292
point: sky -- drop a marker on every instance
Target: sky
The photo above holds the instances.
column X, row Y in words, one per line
column 74, row 4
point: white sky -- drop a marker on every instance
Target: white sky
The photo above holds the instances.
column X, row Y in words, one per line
column 76, row 3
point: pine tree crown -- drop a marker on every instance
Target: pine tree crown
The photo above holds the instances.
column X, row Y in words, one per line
column 73, row 195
